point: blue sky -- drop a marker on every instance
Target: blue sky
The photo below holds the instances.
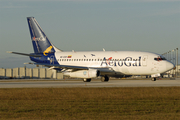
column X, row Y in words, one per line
column 83, row 25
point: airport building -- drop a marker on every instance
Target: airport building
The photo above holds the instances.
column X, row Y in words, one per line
column 30, row 73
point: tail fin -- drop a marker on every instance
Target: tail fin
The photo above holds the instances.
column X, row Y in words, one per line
column 41, row 43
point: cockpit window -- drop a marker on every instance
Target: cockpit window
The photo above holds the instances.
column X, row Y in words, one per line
column 160, row 58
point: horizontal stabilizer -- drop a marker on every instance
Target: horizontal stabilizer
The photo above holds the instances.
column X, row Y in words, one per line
column 32, row 55
column 29, row 63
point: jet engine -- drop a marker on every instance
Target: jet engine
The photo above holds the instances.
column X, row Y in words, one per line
column 92, row 73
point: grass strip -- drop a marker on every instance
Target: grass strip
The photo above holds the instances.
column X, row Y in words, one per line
column 90, row 103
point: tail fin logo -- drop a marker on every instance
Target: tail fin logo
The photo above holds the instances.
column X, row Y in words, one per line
column 48, row 50
column 39, row 39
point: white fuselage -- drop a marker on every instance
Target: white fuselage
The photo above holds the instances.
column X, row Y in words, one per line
column 123, row 62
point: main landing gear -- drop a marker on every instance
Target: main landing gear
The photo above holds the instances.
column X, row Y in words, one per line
column 153, row 79
column 105, row 79
column 87, row 80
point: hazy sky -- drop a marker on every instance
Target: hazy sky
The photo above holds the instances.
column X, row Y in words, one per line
column 83, row 25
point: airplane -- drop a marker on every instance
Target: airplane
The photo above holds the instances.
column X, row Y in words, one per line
column 92, row 64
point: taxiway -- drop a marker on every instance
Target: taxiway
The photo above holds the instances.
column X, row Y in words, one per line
column 94, row 83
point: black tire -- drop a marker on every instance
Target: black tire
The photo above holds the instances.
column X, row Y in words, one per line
column 105, row 79
column 87, row 80
column 153, row 79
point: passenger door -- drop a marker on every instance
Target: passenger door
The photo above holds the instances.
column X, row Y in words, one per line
column 144, row 60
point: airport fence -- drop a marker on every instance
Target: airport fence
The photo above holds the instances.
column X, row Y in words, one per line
column 29, row 73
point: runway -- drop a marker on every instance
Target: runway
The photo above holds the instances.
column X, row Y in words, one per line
column 94, row 83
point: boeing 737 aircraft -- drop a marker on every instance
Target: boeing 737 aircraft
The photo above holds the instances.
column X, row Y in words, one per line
column 88, row 65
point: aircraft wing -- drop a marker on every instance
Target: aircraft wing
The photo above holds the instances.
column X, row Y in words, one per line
column 61, row 66
column 103, row 70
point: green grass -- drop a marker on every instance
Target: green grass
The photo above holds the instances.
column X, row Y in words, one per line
column 90, row 103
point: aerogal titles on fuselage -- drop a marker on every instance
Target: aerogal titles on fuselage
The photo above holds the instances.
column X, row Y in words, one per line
column 128, row 61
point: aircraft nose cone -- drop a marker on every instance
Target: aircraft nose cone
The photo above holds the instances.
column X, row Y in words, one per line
column 169, row 66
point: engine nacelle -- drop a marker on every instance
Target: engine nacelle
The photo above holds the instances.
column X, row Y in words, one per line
column 83, row 73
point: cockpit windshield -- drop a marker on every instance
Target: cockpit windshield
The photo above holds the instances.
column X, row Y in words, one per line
column 159, row 58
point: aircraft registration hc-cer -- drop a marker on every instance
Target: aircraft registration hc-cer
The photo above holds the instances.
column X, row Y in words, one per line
column 92, row 64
